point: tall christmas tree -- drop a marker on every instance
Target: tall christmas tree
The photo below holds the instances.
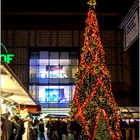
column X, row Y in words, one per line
column 93, row 105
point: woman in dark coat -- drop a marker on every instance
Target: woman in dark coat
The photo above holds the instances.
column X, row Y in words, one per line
column 41, row 130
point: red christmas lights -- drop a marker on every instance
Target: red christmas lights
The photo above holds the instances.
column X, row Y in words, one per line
column 92, row 36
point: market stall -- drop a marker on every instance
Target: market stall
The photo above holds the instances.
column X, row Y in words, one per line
column 14, row 96
column 129, row 117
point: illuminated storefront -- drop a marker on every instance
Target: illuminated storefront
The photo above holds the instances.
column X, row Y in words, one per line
column 52, row 79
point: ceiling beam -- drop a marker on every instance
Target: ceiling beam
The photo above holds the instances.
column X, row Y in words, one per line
column 54, row 14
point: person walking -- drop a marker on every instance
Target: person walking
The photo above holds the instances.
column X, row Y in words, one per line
column 63, row 130
column 17, row 131
column 41, row 130
column 70, row 130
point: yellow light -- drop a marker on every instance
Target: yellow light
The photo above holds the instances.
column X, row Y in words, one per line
column 2, row 81
column 4, row 108
column 92, row 3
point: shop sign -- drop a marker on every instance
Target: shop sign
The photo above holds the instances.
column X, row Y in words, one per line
column 130, row 26
column 131, row 30
column 6, row 57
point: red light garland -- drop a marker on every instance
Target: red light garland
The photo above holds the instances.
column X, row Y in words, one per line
column 92, row 25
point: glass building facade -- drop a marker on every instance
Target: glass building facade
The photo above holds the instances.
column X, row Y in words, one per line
column 52, row 77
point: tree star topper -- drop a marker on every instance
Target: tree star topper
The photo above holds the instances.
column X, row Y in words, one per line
column 92, row 3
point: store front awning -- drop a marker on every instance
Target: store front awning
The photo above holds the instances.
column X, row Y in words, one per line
column 12, row 89
column 129, row 112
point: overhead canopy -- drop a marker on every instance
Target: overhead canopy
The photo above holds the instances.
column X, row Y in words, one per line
column 12, row 89
column 130, row 112
column 56, row 116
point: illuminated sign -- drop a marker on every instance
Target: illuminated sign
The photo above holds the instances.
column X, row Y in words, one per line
column 7, row 57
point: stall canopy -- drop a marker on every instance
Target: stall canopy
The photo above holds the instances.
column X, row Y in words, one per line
column 12, row 89
column 56, row 116
column 129, row 112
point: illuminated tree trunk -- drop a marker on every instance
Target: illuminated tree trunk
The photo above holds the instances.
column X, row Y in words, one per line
column 93, row 105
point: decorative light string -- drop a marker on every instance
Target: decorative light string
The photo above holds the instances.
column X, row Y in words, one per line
column 92, row 33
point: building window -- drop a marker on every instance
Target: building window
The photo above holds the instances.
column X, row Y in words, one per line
column 52, row 77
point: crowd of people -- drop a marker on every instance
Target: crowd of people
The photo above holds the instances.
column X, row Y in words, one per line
column 33, row 128
column 12, row 128
column 15, row 128
column 63, row 130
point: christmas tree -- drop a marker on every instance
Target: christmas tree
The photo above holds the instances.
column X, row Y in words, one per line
column 93, row 105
